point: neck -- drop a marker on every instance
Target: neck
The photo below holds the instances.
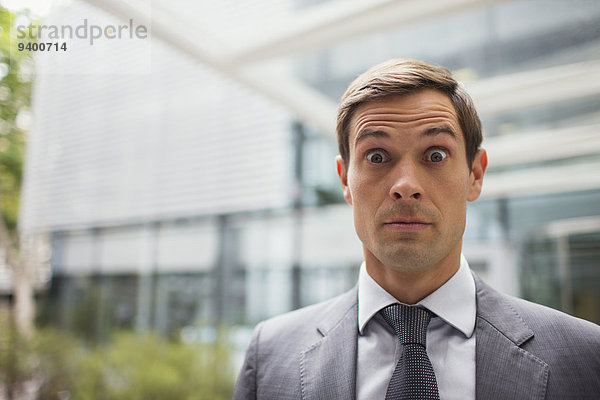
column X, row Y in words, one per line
column 410, row 286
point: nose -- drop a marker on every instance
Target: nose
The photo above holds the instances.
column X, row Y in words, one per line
column 406, row 184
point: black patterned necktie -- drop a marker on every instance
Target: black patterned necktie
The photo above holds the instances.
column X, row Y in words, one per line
column 413, row 377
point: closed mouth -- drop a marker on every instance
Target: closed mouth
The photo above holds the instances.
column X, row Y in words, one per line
column 409, row 224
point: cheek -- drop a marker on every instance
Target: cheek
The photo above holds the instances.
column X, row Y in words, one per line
column 454, row 188
column 454, row 202
column 450, row 191
column 367, row 194
column 357, row 183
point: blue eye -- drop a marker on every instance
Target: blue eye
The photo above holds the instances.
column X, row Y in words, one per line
column 376, row 156
column 436, row 155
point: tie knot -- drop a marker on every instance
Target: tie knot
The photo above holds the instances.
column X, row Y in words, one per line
column 409, row 322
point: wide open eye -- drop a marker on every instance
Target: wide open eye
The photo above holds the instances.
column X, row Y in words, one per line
column 376, row 156
column 436, row 155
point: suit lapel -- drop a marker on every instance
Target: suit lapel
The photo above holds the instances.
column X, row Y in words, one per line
column 328, row 367
column 504, row 370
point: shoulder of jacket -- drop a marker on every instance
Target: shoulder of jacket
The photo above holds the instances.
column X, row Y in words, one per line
column 543, row 321
column 543, row 317
column 304, row 322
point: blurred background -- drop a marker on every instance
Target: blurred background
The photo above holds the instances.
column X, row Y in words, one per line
column 162, row 194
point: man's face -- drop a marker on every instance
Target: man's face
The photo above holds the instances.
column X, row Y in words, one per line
column 408, row 181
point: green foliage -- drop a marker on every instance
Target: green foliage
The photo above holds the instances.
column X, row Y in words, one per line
column 147, row 367
column 130, row 366
column 56, row 360
column 15, row 369
column 16, row 71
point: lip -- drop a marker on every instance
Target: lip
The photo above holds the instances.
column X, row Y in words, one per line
column 407, row 224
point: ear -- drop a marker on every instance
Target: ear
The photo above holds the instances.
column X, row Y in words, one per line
column 476, row 177
column 343, row 174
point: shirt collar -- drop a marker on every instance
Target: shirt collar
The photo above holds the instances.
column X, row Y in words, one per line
column 454, row 301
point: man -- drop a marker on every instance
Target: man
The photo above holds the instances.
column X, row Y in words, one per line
column 410, row 158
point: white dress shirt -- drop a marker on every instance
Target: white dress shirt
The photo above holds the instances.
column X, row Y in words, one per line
column 450, row 337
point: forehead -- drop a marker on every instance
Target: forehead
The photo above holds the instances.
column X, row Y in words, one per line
column 417, row 110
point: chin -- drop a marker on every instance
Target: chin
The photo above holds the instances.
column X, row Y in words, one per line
column 413, row 260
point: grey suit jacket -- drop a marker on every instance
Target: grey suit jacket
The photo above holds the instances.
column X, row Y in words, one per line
column 523, row 351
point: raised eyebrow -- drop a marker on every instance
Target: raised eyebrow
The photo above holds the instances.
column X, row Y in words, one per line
column 370, row 133
column 436, row 130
